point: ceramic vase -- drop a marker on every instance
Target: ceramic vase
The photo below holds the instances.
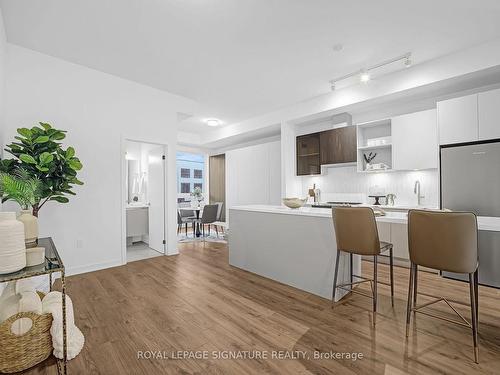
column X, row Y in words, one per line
column 12, row 246
column 30, row 227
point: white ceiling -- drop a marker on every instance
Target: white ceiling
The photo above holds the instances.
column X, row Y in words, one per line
column 243, row 58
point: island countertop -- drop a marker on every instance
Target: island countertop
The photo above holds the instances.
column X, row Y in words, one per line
column 484, row 222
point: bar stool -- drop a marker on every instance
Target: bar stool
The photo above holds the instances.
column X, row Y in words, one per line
column 446, row 241
column 356, row 233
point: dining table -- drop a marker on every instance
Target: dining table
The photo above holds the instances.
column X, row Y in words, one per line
column 198, row 210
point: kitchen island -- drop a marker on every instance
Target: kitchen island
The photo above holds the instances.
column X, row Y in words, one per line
column 298, row 247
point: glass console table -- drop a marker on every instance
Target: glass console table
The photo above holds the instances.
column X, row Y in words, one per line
column 53, row 263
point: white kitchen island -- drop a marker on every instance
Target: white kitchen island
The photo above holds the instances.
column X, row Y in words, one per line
column 298, row 247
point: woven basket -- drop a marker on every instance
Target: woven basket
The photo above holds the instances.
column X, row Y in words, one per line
column 20, row 352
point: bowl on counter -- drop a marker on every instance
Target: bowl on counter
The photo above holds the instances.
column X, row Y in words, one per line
column 294, row 202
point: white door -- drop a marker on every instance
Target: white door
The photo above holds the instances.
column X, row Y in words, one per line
column 156, row 195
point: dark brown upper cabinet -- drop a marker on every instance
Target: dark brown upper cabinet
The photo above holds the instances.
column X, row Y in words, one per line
column 308, row 154
column 338, row 145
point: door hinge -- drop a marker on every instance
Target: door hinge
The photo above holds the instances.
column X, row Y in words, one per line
column 163, row 157
column 164, row 242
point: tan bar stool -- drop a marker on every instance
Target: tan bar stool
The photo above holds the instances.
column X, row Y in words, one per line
column 446, row 241
column 356, row 233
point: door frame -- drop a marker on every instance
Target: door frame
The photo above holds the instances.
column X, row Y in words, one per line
column 123, row 190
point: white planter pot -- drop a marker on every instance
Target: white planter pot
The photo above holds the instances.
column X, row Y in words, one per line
column 12, row 246
column 30, row 227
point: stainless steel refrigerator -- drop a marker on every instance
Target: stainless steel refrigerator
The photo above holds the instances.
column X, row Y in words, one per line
column 470, row 181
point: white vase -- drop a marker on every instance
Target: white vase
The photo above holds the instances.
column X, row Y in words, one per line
column 12, row 246
column 30, row 227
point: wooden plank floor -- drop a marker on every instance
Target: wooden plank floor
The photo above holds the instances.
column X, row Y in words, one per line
column 196, row 302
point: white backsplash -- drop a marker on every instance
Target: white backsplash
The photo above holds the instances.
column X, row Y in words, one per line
column 348, row 180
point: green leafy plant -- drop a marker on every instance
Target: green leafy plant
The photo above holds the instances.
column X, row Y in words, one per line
column 197, row 193
column 20, row 187
column 39, row 152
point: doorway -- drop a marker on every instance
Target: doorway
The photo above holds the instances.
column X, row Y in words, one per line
column 145, row 200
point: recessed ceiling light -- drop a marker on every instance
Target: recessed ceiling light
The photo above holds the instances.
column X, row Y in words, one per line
column 364, row 76
column 212, row 122
column 338, row 47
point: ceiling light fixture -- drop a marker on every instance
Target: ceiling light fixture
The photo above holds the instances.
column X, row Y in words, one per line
column 212, row 122
column 364, row 74
column 364, row 77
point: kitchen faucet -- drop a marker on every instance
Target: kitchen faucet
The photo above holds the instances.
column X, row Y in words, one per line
column 416, row 190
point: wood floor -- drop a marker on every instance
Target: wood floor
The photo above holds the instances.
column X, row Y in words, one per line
column 196, row 302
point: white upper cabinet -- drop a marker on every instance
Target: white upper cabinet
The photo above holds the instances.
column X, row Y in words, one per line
column 489, row 115
column 458, row 120
column 415, row 141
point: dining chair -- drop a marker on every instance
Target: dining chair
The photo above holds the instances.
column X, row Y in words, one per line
column 218, row 223
column 356, row 233
column 445, row 241
column 185, row 217
column 208, row 217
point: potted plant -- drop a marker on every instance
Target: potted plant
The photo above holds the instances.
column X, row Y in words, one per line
column 25, row 190
column 38, row 151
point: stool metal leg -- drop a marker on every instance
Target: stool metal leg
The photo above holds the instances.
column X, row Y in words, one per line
column 409, row 302
column 391, row 265
column 415, row 281
column 476, row 294
column 335, row 278
column 374, row 289
column 351, row 268
column 473, row 307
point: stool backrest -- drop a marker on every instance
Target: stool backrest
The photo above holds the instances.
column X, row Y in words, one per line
column 445, row 241
column 356, row 230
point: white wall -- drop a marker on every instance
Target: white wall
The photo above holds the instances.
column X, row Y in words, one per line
column 253, row 175
column 99, row 111
column 3, row 52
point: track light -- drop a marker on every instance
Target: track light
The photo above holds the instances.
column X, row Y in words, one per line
column 364, row 77
column 365, row 74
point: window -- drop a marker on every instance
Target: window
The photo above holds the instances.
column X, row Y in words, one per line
column 198, row 173
column 185, row 187
column 198, row 185
column 185, row 173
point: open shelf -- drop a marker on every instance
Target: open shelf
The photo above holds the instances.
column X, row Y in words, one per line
column 375, row 131
column 367, row 148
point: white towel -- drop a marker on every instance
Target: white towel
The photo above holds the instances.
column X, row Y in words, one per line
column 52, row 303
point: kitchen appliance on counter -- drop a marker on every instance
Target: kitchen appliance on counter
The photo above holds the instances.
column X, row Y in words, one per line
column 470, row 181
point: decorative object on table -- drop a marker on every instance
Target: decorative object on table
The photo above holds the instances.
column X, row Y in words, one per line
column 53, row 264
column 379, row 212
column 389, row 199
column 12, row 246
column 24, row 189
column 294, row 202
column 20, row 352
column 197, row 194
column 368, row 159
column 52, row 303
column 38, row 150
column 377, row 199
column 35, row 256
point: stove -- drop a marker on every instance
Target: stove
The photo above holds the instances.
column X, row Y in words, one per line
column 335, row 204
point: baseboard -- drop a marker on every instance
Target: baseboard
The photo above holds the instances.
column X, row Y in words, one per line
column 92, row 267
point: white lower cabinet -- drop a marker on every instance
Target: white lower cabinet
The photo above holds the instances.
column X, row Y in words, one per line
column 399, row 239
column 397, row 234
